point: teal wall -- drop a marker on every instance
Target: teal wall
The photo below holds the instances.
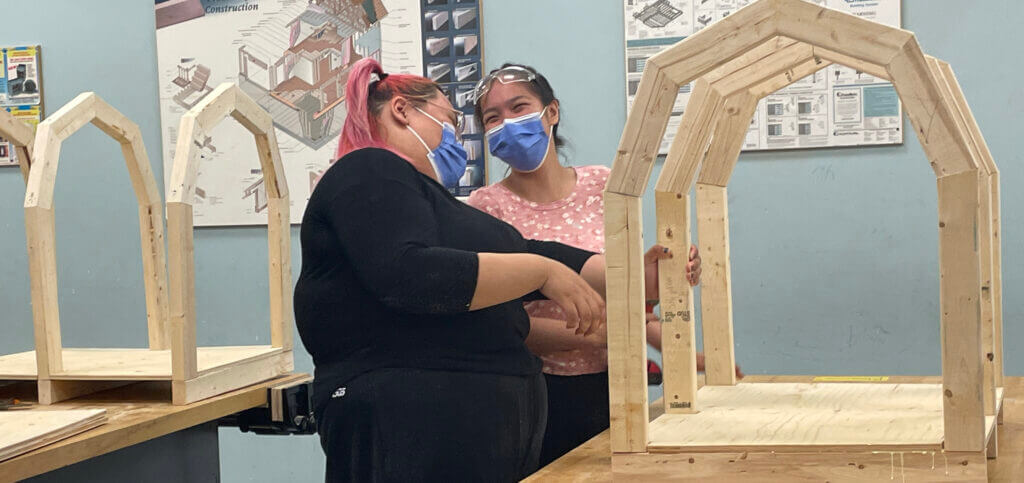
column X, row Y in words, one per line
column 833, row 251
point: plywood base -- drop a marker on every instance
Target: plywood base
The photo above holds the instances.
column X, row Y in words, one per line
column 737, row 466
column 128, row 364
column 25, row 430
column 800, row 417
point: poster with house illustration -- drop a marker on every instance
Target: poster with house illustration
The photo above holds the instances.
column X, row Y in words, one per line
column 293, row 58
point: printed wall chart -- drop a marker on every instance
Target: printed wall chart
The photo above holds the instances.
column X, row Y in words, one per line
column 293, row 57
column 21, row 91
column 837, row 106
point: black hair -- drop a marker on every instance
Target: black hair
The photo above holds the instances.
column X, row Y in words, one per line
column 540, row 87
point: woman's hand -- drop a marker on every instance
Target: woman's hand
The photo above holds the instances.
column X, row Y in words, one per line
column 657, row 252
column 693, row 269
column 584, row 308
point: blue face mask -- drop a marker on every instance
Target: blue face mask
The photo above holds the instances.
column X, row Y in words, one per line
column 521, row 142
column 449, row 157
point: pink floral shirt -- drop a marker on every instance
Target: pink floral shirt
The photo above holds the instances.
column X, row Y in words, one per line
column 577, row 220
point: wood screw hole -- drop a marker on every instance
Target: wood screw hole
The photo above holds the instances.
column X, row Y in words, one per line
column 948, row 393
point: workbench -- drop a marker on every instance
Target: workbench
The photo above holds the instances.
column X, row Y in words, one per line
column 144, row 431
column 591, row 462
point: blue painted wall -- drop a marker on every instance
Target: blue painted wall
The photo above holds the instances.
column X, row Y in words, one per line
column 833, row 251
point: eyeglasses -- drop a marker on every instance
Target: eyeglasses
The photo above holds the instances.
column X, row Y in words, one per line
column 508, row 75
column 460, row 118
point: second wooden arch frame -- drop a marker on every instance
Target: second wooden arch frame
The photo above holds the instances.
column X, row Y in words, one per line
column 194, row 372
column 757, row 50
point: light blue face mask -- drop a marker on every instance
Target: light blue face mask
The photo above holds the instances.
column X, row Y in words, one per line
column 449, row 157
column 521, row 142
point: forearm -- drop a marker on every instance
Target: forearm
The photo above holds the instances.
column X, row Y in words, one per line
column 550, row 335
column 507, row 276
column 654, row 334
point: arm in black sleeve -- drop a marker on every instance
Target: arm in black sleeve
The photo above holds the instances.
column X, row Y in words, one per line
column 572, row 257
column 386, row 225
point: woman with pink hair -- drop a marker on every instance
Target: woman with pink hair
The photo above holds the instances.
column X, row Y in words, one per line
column 411, row 302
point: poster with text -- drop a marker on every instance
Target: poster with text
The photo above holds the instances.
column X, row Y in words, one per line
column 837, row 106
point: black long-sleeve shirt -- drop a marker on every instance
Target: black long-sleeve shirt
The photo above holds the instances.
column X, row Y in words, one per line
column 389, row 267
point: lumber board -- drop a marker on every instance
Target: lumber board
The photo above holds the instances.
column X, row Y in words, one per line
column 129, row 364
column 960, row 306
column 21, row 137
column 691, row 141
column 737, row 466
column 996, row 257
column 752, row 56
column 181, row 259
column 716, row 284
column 768, row 67
column 42, row 264
column 643, row 132
column 919, row 90
column 25, row 430
column 798, row 417
column 834, row 57
column 841, row 32
column 627, row 335
column 984, row 239
column 50, row 391
column 728, row 136
column 135, row 414
column 678, row 344
column 788, row 77
column 721, row 42
column 228, row 377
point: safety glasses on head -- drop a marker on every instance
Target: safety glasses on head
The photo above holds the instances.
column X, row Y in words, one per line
column 507, row 75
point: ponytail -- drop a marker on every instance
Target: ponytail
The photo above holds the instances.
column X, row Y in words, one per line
column 364, row 100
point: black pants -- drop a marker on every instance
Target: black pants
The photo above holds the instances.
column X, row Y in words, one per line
column 412, row 425
column 577, row 411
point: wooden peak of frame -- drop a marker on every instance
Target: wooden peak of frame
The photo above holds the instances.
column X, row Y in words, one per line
column 21, row 136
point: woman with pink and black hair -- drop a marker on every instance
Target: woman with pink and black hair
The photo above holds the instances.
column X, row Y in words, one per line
column 411, row 302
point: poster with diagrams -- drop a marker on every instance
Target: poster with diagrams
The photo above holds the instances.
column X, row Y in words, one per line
column 452, row 57
column 293, row 58
column 837, row 106
column 21, row 91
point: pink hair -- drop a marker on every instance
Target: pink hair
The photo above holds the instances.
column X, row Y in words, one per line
column 360, row 129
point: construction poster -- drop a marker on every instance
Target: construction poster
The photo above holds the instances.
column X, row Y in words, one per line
column 293, row 58
column 20, row 91
column 837, row 106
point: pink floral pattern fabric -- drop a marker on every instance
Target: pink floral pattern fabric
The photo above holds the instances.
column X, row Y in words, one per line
column 577, row 220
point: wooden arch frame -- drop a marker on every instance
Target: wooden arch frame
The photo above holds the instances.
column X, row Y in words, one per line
column 189, row 383
column 57, row 368
column 21, row 137
column 733, row 63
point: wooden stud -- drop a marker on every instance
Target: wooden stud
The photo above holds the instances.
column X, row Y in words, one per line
column 933, row 121
column 960, row 295
column 766, row 68
column 788, row 77
column 627, row 335
column 642, row 134
column 984, row 239
column 754, row 55
column 716, row 285
column 729, row 134
column 691, row 141
column 841, row 32
column 993, row 172
column 21, row 136
column 719, row 43
column 678, row 347
column 188, row 382
column 834, row 57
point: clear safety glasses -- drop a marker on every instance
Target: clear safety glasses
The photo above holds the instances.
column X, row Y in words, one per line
column 508, row 75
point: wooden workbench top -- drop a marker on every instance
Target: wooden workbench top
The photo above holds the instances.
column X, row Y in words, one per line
column 135, row 413
column 591, row 462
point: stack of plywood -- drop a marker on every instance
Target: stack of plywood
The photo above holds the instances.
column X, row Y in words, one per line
column 24, row 431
